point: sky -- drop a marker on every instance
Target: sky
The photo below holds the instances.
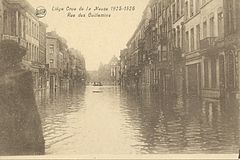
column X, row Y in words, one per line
column 98, row 39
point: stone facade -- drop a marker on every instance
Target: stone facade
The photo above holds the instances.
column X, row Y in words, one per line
column 185, row 47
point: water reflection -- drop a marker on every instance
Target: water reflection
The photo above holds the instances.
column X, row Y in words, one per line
column 118, row 122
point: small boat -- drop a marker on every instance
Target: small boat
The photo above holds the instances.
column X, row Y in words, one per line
column 97, row 91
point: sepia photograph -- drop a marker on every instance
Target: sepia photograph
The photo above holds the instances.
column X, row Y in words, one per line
column 120, row 79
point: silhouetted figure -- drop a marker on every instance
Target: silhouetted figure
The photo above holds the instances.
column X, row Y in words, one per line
column 20, row 125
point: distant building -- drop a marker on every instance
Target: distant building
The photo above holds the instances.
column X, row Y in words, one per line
column 54, row 59
column 114, row 70
column 42, row 55
column 110, row 73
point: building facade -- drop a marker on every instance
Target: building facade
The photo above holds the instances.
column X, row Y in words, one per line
column 48, row 57
column 12, row 18
column 185, row 47
column 52, row 59
column 114, row 70
column 32, row 58
column 19, row 23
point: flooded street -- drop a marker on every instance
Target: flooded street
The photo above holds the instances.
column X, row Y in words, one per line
column 116, row 122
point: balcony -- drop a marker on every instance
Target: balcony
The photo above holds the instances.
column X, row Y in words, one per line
column 207, row 43
column 20, row 41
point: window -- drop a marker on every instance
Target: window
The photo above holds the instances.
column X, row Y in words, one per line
column 51, row 63
column 33, row 29
column 178, row 36
column 229, row 19
column 37, row 55
column 182, row 5
column 30, row 52
column 51, row 49
column 29, row 27
column 192, row 39
column 174, row 13
column 178, row 9
column 159, row 54
column 213, row 71
column 186, row 10
column 159, row 8
column 198, row 36
column 203, row 2
column 164, row 53
column 156, row 13
column 187, row 41
column 206, row 76
column 197, row 6
column 26, row 26
column 174, row 37
column 5, row 17
column 191, row 8
column 220, row 24
column 205, row 29
column 211, row 24
column 37, row 32
column 13, row 23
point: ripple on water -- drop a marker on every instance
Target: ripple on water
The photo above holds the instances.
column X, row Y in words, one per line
column 114, row 121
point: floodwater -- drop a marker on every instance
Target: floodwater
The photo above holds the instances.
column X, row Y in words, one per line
column 108, row 120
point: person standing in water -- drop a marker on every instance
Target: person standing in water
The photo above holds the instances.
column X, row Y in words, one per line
column 20, row 124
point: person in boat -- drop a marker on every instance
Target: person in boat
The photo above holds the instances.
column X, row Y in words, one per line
column 20, row 124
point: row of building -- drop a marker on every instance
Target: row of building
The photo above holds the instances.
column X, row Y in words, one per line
column 185, row 46
column 52, row 63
